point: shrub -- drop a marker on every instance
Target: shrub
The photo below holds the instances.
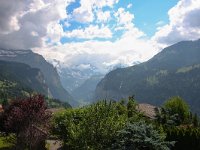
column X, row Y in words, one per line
column 177, row 106
column 140, row 136
column 91, row 127
column 27, row 118
column 186, row 137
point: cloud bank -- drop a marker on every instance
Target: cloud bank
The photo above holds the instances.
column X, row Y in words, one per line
column 28, row 24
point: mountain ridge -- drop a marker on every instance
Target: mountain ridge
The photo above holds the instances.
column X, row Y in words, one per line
column 37, row 61
column 158, row 79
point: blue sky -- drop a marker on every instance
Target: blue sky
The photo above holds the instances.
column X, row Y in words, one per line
column 149, row 12
column 148, row 15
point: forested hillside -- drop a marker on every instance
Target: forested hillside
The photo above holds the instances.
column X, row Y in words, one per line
column 34, row 60
column 17, row 79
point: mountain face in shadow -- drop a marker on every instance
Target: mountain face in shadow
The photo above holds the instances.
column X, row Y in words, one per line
column 173, row 71
column 34, row 60
column 17, row 79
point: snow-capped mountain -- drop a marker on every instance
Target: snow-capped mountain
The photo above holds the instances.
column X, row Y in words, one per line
column 72, row 77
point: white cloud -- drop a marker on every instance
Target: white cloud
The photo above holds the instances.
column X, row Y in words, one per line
column 36, row 5
column 130, row 47
column 93, row 31
column 184, row 23
column 124, row 19
column 28, row 24
column 86, row 14
column 159, row 23
column 84, row 66
column 102, row 54
column 55, row 32
column 103, row 3
column 133, row 32
column 125, row 23
column 129, row 5
column 9, row 13
column 103, row 16
column 83, row 15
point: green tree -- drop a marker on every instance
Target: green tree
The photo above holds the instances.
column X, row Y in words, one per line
column 140, row 136
column 131, row 107
column 90, row 127
column 195, row 120
column 186, row 137
column 178, row 108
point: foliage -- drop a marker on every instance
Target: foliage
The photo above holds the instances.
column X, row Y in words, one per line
column 26, row 118
column 6, row 141
column 186, row 137
column 140, row 136
column 164, row 117
column 176, row 105
column 195, row 120
column 131, row 107
column 91, row 127
column 3, row 144
column 107, row 125
column 179, row 124
column 175, row 111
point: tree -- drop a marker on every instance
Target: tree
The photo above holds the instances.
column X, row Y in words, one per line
column 90, row 127
column 186, row 137
column 27, row 118
column 140, row 136
column 4, row 102
column 195, row 120
column 177, row 107
column 131, row 107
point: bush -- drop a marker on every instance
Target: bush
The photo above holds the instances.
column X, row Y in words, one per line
column 140, row 136
column 176, row 106
column 186, row 137
column 26, row 118
column 91, row 127
column 104, row 126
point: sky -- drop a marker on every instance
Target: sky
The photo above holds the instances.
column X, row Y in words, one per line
column 97, row 34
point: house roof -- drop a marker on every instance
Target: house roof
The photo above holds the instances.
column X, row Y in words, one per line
column 1, row 108
column 148, row 110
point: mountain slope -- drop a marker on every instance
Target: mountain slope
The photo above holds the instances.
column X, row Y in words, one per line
column 37, row 61
column 174, row 71
column 17, row 79
column 74, row 76
column 85, row 92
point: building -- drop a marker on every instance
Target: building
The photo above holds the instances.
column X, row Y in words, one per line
column 1, row 108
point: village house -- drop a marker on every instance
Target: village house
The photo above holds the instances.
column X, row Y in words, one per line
column 1, row 108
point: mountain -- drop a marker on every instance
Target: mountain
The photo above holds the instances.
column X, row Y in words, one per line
column 85, row 92
column 79, row 80
column 173, row 71
column 17, row 79
column 34, row 60
column 74, row 76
